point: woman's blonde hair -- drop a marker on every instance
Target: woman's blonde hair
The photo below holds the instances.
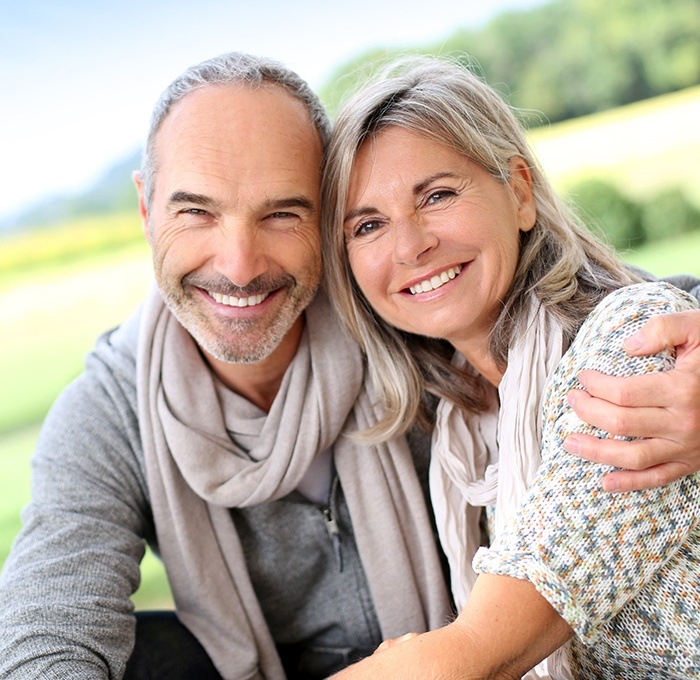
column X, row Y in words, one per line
column 561, row 262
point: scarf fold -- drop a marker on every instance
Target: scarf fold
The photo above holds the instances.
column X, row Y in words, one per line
column 196, row 472
column 490, row 459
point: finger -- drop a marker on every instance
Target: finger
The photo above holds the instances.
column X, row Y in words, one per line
column 627, row 480
column 665, row 330
column 631, row 455
column 652, row 389
column 621, row 421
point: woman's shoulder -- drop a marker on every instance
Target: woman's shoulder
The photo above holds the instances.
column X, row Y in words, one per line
column 599, row 342
column 627, row 309
column 642, row 299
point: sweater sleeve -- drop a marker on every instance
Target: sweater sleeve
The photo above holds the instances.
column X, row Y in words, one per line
column 65, row 608
column 589, row 552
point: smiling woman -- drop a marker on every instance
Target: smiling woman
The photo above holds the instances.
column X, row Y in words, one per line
column 463, row 276
column 424, row 212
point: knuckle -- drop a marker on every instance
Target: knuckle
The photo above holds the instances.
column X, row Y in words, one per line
column 655, row 324
column 616, row 423
column 622, row 393
column 660, row 476
column 639, row 457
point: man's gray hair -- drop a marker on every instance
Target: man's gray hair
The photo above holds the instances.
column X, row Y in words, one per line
column 228, row 69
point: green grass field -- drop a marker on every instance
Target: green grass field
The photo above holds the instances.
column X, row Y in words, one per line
column 52, row 310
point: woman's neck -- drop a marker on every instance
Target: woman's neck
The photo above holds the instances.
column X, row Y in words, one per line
column 478, row 355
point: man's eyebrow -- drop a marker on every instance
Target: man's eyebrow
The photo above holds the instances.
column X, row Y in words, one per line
column 303, row 202
column 189, row 197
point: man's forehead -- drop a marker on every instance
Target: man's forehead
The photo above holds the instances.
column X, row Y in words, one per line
column 238, row 119
column 238, row 106
column 225, row 135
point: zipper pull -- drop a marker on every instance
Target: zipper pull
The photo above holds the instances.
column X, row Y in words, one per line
column 334, row 534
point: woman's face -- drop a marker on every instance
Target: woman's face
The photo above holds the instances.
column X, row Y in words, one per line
column 432, row 237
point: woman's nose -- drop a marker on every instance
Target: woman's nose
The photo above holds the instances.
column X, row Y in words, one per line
column 412, row 240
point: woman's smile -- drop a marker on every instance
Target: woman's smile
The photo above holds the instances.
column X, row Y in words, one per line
column 435, row 281
column 419, row 217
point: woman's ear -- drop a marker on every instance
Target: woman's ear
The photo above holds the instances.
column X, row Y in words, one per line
column 520, row 182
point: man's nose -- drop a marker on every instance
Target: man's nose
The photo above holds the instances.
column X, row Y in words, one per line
column 412, row 240
column 240, row 255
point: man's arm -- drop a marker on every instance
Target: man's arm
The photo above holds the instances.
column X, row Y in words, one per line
column 65, row 609
column 664, row 408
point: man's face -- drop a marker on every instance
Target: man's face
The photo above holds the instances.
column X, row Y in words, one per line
column 233, row 220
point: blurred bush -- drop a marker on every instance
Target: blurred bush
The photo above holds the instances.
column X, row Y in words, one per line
column 603, row 207
column 668, row 214
column 627, row 223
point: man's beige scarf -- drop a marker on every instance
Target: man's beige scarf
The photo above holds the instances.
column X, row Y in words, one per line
column 196, row 473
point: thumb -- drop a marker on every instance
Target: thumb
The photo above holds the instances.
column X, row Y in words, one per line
column 680, row 330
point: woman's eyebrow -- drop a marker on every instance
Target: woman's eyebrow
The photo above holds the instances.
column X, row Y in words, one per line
column 421, row 186
column 417, row 189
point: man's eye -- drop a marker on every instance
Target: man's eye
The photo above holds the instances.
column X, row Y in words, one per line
column 194, row 211
column 281, row 215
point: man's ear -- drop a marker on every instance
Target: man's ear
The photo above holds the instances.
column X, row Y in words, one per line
column 520, row 181
column 143, row 210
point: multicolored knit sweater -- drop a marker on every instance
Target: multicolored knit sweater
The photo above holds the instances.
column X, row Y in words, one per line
column 622, row 569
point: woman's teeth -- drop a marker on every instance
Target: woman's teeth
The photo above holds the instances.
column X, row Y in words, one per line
column 435, row 281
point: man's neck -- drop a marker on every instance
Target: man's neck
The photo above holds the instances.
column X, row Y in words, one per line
column 260, row 382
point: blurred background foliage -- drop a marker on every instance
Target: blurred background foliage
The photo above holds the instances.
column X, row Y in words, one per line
column 566, row 58
column 610, row 91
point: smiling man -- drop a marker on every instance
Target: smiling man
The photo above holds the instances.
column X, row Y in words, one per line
column 233, row 226
column 213, row 425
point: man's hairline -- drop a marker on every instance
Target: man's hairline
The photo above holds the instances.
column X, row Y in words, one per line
column 240, row 84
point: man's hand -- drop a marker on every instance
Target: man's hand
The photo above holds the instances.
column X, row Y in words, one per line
column 663, row 408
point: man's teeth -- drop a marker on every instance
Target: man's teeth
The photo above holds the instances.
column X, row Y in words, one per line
column 233, row 301
column 436, row 281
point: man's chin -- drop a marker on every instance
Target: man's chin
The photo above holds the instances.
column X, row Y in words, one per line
column 243, row 349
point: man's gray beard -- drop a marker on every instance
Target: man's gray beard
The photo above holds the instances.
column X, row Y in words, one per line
column 254, row 349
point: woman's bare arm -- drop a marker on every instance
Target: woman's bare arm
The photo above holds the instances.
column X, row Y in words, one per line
column 506, row 628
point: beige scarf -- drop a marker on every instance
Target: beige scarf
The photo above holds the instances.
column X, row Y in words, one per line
column 195, row 473
column 490, row 459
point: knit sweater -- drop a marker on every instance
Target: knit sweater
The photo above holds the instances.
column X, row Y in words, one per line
column 622, row 569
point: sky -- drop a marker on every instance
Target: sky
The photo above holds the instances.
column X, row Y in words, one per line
column 79, row 78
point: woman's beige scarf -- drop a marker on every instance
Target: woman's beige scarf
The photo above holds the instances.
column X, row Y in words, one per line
column 490, row 459
column 196, row 473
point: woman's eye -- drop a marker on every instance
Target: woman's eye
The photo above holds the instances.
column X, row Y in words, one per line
column 366, row 227
column 439, row 195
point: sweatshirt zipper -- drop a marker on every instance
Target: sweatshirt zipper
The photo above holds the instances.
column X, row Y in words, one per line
column 332, row 527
